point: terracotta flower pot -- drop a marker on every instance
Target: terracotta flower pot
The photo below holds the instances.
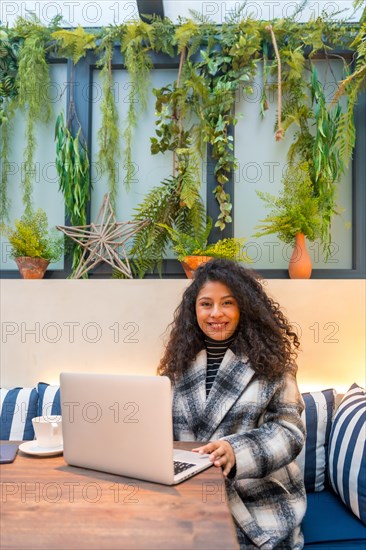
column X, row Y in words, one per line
column 32, row 268
column 190, row 263
column 300, row 266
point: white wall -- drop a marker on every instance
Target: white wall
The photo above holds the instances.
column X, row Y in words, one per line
column 116, row 326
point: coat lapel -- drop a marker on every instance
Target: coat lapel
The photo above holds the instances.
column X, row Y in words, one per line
column 232, row 378
column 204, row 416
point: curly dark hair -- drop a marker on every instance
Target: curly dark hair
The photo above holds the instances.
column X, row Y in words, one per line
column 263, row 334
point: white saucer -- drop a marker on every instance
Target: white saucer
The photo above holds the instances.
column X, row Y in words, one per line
column 31, row 448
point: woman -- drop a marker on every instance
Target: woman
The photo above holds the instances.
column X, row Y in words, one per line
column 230, row 357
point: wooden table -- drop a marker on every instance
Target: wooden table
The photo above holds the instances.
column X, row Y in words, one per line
column 47, row 504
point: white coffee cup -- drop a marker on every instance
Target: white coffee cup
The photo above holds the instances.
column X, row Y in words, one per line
column 48, row 430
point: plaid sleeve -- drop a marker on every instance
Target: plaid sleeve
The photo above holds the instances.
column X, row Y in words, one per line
column 277, row 440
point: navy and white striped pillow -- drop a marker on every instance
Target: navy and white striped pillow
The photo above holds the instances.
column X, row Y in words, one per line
column 317, row 417
column 49, row 400
column 17, row 408
column 347, row 451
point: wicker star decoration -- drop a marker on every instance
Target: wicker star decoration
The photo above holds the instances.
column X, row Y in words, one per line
column 103, row 241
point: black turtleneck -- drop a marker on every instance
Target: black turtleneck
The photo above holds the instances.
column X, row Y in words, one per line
column 216, row 350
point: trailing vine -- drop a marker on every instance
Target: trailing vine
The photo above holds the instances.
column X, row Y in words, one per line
column 4, row 164
column 176, row 133
column 280, row 130
column 32, row 81
column 9, row 54
column 207, row 89
column 224, row 71
column 352, row 85
column 137, row 38
column 108, row 135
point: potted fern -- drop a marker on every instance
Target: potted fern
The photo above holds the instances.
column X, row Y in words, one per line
column 33, row 247
column 295, row 214
column 192, row 250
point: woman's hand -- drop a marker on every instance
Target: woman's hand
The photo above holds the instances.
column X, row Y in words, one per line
column 221, row 454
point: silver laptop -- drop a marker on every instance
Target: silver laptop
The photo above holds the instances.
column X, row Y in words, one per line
column 123, row 425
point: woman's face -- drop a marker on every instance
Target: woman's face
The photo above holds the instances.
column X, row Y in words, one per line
column 217, row 311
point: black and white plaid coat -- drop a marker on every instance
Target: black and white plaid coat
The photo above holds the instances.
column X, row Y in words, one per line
column 261, row 420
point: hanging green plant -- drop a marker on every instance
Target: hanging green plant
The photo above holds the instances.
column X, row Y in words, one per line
column 72, row 166
column 4, row 163
column 185, row 35
column 74, row 44
column 137, row 39
column 225, row 70
column 170, row 135
column 32, row 81
column 207, row 90
column 174, row 130
column 9, row 54
column 108, row 135
column 316, row 142
column 352, row 85
column 163, row 30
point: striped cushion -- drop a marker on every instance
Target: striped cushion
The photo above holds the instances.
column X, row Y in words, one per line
column 317, row 417
column 49, row 400
column 17, row 408
column 347, row 451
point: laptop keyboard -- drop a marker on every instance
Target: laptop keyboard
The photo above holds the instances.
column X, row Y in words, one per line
column 180, row 467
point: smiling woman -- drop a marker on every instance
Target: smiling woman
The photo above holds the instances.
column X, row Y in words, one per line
column 217, row 311
column 263, row 333
column 230, row 357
